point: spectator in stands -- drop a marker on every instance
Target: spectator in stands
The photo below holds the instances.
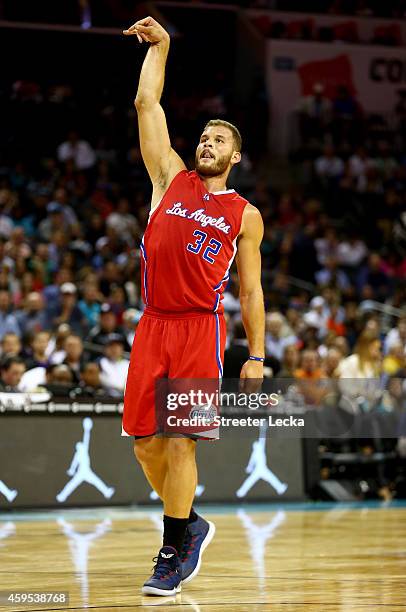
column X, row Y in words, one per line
column 345, row 113
column 385, row 161
column 400, row 113
column 359, row 163
column 310, row 378
column 314, row 114
column 68, row 310
column 12, row 370
column 11, row 346
column 395, row 360
column 327, row 246
column 110, row 277
column 131, row 319
column 331, row 362
column 8, row 320
column 290, row 362
column 39, row 356
column 90, row 382
column 332, row 275
column 372, row 281
column 395, row 335
column 352, row 251
column 54, row 221
column 78, row 150
column 237, row 353
column 365, row 362
column 74, row 357
column 359, row 374
column 318, row 315
column 113, row 366
column 231, row 301
column 59, row 380
column 123, row 222
column 335, row 322
column 61, row 196
column 89, row 305
column 277, row 338
column 309, row 366
column 329, row 167
column 54, row 281
column 7, row 203
column 32, row 317
column 106, row 326
column 56, row 344
column 6, row 262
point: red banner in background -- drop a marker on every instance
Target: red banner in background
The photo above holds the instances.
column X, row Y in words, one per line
column 330, row 72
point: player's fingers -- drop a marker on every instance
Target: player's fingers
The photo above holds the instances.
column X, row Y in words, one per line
column 142, row 29
column 133, row 29
column 148, row 21
column 130, row 32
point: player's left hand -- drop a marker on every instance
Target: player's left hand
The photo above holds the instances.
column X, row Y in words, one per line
column 251, row 376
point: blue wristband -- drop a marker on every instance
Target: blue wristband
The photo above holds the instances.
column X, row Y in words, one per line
column 253, row 358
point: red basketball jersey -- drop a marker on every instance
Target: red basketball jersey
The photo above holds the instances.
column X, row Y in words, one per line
column 189, row 245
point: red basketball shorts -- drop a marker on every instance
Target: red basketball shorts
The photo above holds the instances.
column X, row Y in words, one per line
column 172, row 348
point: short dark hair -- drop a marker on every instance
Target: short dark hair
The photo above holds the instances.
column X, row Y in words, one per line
column 84, row 365
column 7, row 362
column 235, row 131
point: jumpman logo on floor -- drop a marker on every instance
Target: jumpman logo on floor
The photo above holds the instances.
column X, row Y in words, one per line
column 79, row 544
column 80, row 468
column 6, row 530
column 258, row 469
column 9, row 494
column 258, row 536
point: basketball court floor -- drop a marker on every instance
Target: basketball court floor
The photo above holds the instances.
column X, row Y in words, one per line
column 313, row 557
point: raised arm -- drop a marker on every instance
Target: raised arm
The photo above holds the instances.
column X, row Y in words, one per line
column 251, row 296
column 161, row 161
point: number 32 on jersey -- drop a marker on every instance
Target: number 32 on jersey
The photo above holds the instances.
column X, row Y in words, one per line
column 212, row 248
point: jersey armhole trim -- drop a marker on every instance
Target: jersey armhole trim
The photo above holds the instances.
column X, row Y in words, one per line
column 242, row 215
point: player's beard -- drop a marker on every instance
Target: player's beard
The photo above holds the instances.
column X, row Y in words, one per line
column 215, row 169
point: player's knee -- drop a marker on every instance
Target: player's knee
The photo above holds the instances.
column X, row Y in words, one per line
column 180, row 450
column 145, row 450
column 142, row 451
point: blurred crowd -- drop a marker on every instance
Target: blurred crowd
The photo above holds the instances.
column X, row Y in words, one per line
column 306, row 28
column 361, row 8
column 74, row 202
column 116, row 13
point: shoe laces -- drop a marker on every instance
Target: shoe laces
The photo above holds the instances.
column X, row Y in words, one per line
column 188, row 545
column 163, row 567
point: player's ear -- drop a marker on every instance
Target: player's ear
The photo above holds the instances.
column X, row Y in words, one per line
column 236, row 157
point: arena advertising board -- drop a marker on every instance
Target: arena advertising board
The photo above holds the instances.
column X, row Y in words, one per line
column 373, row 74
column 54, row 460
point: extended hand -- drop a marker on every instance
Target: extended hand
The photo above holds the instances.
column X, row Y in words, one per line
column 149, row 30
column 251, row 376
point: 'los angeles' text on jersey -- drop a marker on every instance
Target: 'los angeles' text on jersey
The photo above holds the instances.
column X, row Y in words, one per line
column 200, row 216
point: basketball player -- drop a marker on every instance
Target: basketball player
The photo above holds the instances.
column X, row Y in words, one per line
column 196, row 227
